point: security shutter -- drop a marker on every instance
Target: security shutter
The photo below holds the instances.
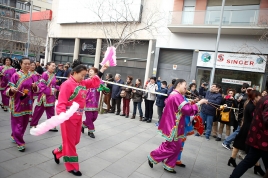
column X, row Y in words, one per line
column 176, row 57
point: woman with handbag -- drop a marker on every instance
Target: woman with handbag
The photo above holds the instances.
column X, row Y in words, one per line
column 227, row 116
column 125, row 94
column 240, row 140
column 150, row 99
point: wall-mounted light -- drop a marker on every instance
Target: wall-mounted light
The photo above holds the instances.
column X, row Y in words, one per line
column 196, row 50
column 125, row 60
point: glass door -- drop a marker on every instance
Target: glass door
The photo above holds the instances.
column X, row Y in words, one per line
column 203, row 75
column 188, row 15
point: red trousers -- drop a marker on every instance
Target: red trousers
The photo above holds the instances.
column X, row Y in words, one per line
column 126, row 106
column 70, row 133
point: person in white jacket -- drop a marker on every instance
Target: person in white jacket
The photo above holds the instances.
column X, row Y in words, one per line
column 150, row 99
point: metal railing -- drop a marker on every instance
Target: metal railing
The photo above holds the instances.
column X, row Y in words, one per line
column 212, row 17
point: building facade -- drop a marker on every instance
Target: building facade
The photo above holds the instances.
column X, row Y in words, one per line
column 189, row 51
column 80, row 35
column 13, row 33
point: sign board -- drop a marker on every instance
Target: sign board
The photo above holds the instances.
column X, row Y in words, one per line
column 88, row 46
column 37, row 16
column 237, row 82
column 154, row 71
column 175, row 67
column 232, row 61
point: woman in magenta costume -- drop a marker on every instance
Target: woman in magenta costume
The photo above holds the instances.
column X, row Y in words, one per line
column 172, row 125
column 36, row 77
column 47, row 96
column 91, row 108
column 20, row 104
column 74, row 89
column 6, row 73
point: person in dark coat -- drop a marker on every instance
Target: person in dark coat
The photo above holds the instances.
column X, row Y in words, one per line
column 230, row 102
column 107, row 97
column 137, row 99
column 171, row 87
column 208, row 112
column 116, row 98
column 194, row 93
column 39, row 68
column 160, row 99
column 257, row 140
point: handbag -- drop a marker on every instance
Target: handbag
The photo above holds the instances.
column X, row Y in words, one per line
column 225, row 116
column 123, row 94
column 145, row 95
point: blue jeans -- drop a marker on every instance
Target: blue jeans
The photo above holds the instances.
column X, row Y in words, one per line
column 139, row 108
column 208, row 119
column 231, row 137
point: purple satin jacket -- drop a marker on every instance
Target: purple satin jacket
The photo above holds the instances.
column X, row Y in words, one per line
column 7, row 74
column 22, row 82
column 172, row 123
column 92, row 100
column 36, row 77
column 46, row 89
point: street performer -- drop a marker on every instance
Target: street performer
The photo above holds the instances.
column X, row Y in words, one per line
column 47, row 96
column 20, row 92
column 6, row 73
column 172, row 126
column 74, row 89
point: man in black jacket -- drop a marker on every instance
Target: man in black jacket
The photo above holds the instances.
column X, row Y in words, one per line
column 39, row 68
column 116, row 98
column 208, row 112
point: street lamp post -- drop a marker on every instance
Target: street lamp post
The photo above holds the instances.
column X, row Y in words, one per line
column 30, row 3
column 217, row 45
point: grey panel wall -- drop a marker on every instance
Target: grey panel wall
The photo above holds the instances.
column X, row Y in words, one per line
column 170, row 57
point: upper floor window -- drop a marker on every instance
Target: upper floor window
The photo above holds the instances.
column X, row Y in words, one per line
column 36, row 8
column 5, row 2
column 22, row 6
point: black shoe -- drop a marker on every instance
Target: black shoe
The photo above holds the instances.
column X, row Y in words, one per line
column 149, row 121
column 91, row 134
column 76, row 173
column 5, row 109
column 127, row 116
column 145, row 119
column 173, row 171
column 218, row 139
column 204, row 133
column 110, row 111
column 258, row 170
column 181, row 165
column 150, row 164
column 232, row 162
column 214, row 136
column 54, row 130
column 55, row 158
column 117, row 113
column 122, row 115
column 83, row 129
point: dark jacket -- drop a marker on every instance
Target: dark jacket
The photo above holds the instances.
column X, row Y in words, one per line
column 128, row 90
column 160, row 100
column 110, row 86
column 170, row 90
column 202, row 91
column 116, row 90
column 39, row 70
column 229, row 103
column 193, row 95
column 215, row 98
column 137, row 96
column 258, row 132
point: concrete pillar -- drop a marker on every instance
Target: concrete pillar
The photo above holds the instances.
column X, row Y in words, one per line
column 49, row 57
column 148, row 62
column 98, row 53
column 76, row 48
column 46, row 50
column 156, row 57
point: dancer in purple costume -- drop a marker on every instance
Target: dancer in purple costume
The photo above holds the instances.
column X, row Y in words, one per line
column 6, row 73
column 172, row 125
column 20, row 104
column 46, row 100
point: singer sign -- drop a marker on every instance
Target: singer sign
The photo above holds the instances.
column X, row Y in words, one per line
column 232, row 61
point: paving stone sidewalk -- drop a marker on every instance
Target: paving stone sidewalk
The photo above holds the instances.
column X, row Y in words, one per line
column 120, row 149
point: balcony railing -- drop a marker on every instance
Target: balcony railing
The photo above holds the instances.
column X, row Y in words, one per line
column 212, row 18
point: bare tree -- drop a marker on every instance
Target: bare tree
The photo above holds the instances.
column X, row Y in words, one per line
column 120, row 25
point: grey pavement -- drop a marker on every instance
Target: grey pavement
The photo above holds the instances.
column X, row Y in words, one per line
column 120, row 149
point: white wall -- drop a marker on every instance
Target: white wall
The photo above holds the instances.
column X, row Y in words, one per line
column 228, row 43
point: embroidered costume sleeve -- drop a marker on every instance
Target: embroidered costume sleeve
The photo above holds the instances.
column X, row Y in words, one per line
column 64, row 95
column 43, row 85
column 93, row 82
